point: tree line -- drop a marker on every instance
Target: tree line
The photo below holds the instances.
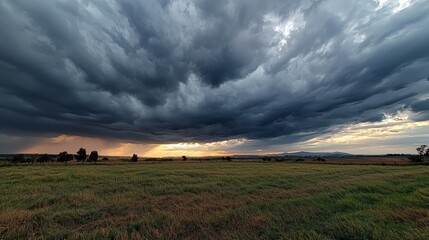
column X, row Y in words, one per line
column 64, row 157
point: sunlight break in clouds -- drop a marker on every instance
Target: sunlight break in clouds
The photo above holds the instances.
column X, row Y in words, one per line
column 396, row 5
column 195, row 149
column 113, row 148
column 392, row 125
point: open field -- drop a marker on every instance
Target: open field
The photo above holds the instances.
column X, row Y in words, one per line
column 214, row 200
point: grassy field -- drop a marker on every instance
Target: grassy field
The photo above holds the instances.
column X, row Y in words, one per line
column 214, row 200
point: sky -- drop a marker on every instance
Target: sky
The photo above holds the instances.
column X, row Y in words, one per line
column 203, row 77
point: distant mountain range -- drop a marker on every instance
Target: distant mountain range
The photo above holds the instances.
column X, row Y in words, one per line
column 314, row 154
column 299, row 154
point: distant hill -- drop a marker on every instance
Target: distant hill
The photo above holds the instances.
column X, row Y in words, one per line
column 314, row 154
column 299, row 154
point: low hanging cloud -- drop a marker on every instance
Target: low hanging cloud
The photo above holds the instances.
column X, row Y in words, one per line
column 208, row 71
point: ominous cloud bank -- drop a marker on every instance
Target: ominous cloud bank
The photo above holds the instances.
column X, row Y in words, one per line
column 204, row 71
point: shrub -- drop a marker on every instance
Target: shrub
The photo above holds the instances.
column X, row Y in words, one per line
column 415, row 158
column 280, row 159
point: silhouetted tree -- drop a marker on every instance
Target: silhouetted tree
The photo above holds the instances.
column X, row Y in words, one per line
column 423, row 153
column 81, row 155
column 134, row 158
column 268, row 159
column 93, row 157
column 422, row 150
column 184, row 158
column 31, row 160
column 228, row 158
column 105, row 159
column 20, row 158
column 43, row 158
column 64, row 157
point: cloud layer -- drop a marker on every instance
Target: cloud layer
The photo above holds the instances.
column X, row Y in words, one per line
column 208, row 71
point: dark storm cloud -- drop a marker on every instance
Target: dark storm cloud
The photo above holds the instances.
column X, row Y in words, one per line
column 169, row 71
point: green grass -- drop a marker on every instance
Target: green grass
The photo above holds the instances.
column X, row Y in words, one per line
column 246, row 200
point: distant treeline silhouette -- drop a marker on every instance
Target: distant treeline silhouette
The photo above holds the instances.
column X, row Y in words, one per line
column 64, row 157
column 422, row 157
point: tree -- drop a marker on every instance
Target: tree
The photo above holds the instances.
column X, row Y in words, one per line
column 31, row 159
column 423, row 152
column 134, row 158
column 228, row 159
column 18, row 158
column 93, row 157
column 43, row 158
column 64, row 157
column 105, row 159
column 81, row 154
column 184, row 158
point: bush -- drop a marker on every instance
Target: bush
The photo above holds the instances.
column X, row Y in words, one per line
column 280, row 159
column 320, row 159
column 415, row 158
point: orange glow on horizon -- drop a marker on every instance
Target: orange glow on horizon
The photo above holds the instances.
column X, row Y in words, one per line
column 111, row 148
column 391, row 127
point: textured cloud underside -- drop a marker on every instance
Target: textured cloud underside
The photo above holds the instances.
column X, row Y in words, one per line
column 209, row 71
